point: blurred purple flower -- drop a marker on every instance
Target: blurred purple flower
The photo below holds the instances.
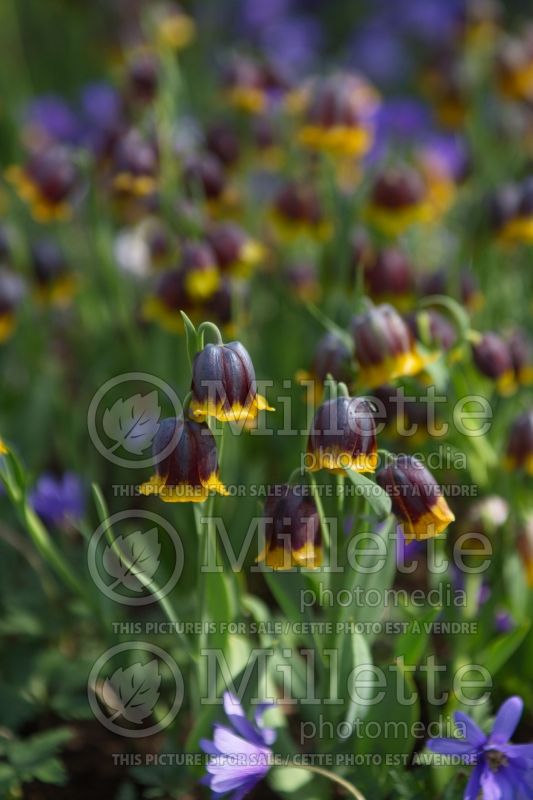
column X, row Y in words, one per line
column 431, row 21
column 101, row 104
column 379, row 52
column 58, row 499
column 52, row 117
column 240, row 755
column 292, row 43
column 256, row 16
column 503, row 621
column 448, row 153
column 501, row 770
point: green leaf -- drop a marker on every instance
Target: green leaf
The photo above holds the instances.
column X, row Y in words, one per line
column 191, row 337
column 412, row 644
column 501, row 649
column 373, row 494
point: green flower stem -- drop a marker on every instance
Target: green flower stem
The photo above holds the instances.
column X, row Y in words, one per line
column 209, row 326
column 320, row 508
column 148, row 583
column 330, row 776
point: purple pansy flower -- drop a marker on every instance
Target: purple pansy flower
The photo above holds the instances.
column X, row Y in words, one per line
column 57, row 500
column 502, row 771
column 240, row 756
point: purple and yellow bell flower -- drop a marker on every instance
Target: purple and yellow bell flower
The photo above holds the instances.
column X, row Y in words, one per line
column 384, row 347
column 511, row 213
column 417, row 499
column 142, row 76
column 236, row 252
column 338, row 119
column 186, row 461
column 501, row 769
column 519, row 452
column 135, row 166
column 201, row 272
column 492, row 358
column 389, row 277
column 343, row 437
column 55, row 284
column 245, row 84
column 399, row 199
column 46, row 182
column 168, row 298
column 224, row 385
column 12, row 291
column 205, row 180
column 292, row 529
column 521, row 356
column 240, row 753
column 297, row 211
column 303, row 281
column 332, row 357
column 514, row 66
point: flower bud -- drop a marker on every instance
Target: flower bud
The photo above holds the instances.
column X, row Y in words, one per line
column 384, row 347
column 343, row 436
column 292, row 529
column 55, row 284
column 236, row 252
column 417, row 499
column 519, row 454
column 186, row 460
column 339, row 113
column 46, row 182
column 223, row 384
column 201, row 273
column 492, row 357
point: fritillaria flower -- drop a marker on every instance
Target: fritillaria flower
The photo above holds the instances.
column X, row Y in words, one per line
column 236, row 252
column 292, row 529
column 46, row 182
column 492, row 357
column 339, row 114
column 519, row 453
column 343, row 436
column 11, row 295
column 297, row 211
column 400, row 199
column 55, row 283
column 384, row 347
column 224, row 385
column 185, row 456
column 417, row 498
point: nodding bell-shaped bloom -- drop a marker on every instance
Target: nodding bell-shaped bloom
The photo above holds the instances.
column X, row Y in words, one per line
column 417, row 499
column 135, row 166
column 297, row 211
column 332, row 357
column 389, row 277
column 521, row 356
column 519, row 454
column 343, row 436
column 236, row 252
column 46, row 182
column 11, row 294
column 511, row 212
column 201, row 273
column 224, row 386
column 185, row 456
column 292, row 529
column 399, row 199
column 492, row 357
column 55, row 283
column 339, row 116
column 384, row 347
